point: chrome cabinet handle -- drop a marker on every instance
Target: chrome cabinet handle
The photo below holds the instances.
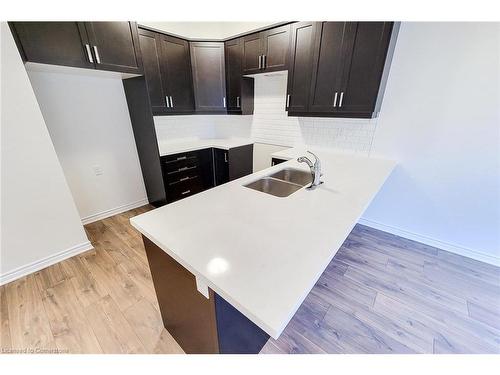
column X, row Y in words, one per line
column 264, row 61
column 97, row 55
column 171, row 102
column 260, row 62
column 186, row 192
column 89, row 53
column 181, row 158
column 341, row 98
column 238, row 102
column 184, row 179
column 335, row 99
column 288, row 100
column 224, row 101
column 225, row 157
column 166, row 100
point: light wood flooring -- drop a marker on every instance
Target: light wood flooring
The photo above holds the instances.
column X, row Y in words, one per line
column 380, row 294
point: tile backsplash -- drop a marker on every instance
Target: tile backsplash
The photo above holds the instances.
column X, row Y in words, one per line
column 270, row 123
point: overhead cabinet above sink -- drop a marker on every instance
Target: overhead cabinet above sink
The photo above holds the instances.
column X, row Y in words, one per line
column 337, row 68
column 94, row 45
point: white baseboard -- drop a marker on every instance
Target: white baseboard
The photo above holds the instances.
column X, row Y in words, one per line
column 44, row 263
column 452, row 248
column 114, row 211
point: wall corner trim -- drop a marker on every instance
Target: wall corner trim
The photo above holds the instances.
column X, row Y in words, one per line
column 446, row 246
column 44, row 263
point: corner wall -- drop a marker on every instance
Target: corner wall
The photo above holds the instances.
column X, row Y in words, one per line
column 39, row 221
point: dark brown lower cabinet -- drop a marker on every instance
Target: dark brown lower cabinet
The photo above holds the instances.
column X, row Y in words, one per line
column 200, row 325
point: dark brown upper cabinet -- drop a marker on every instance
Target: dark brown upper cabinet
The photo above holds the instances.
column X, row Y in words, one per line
column 347, row 68
column 96, row 45
column 300, row 67
column 57, row 43
column 167, row 68
column 151, row 56
column 266, row 51
column 115, row 46
column 209, row 77
column 175, row 65
column 239, row 89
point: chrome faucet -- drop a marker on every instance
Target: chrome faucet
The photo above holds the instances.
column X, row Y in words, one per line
column 315, row 169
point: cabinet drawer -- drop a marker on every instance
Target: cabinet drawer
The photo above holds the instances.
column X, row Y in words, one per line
column 179, row 162
column 185, row 188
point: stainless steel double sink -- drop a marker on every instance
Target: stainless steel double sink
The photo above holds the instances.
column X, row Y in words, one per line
column 282, row 183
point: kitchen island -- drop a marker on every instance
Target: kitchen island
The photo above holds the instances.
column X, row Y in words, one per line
column 232, row 265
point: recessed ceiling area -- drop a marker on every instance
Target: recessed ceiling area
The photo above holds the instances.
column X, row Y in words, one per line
column 206, row 30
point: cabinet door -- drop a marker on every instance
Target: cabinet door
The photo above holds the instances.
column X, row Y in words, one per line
column 149, row 43
column 58, row 43
column 252, row 51
column 299, row 73
column 176, row 74
column 363, row 68
column 115, row 46
column 221, row 164
column 329, row 50
column 233, row 52
column 275, row 49
column 209, row 78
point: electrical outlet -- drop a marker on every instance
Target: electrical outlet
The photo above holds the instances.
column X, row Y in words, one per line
column 97, row 170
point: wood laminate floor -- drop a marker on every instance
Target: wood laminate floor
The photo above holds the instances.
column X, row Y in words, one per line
column 380, row 294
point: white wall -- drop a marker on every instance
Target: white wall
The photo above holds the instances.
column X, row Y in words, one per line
column 206, row 30
column 89, row 123
column 440, row 119
column 39, row 221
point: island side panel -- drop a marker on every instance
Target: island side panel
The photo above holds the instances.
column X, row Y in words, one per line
column 237, row 334
column 187, row 315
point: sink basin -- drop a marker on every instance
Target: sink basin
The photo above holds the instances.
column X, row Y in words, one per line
column 275, row 187
column 295, row 176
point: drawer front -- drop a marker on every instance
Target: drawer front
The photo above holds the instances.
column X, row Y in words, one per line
column 185, row 188
column 175, row 163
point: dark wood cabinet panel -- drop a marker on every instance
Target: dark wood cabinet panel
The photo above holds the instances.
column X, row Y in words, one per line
column 367, row 49
column 240, row 161
column 252, row 52
column 175, row 66
column 327, row 70
column 299, row 74
column 239, row 89
column 275, row 48
column 149, row 43
column 115, row 46
column 209, row 77
column 234, row 53
column 58, row 43
column 221, row 165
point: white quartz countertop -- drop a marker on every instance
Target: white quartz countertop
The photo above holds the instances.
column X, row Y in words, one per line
column 261, row 253
column 185, row 145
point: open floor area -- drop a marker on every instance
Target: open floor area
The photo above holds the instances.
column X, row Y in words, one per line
column 380, row 294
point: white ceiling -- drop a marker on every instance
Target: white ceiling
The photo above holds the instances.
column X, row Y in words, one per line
column 206, row 30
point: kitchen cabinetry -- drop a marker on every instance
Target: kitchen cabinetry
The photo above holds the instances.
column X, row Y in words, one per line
column 347, row 69
column 167, row 68
column 300, row 68
column 187, row 173
column 221, row 165
column 209, row 76
column 95, row 45
column 266, row 51
column 239, row 89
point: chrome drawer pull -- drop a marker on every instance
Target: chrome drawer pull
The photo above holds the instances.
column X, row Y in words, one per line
column 182, row 158
column 186, row 192
column 184, row 179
